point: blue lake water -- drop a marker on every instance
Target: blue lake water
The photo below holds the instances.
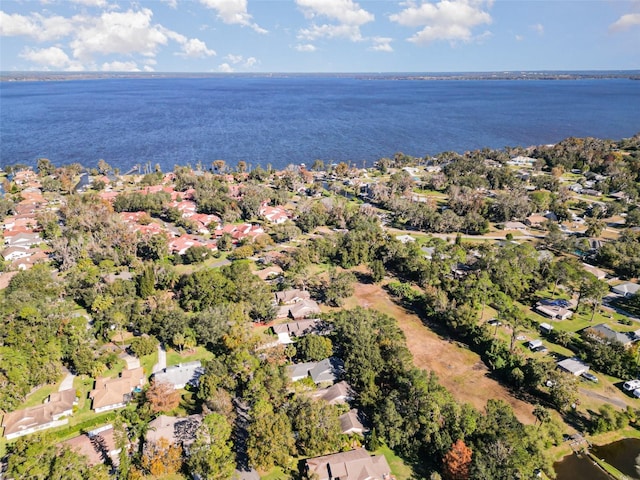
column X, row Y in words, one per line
column 299, row 119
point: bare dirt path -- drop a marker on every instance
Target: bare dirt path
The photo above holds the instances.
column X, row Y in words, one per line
column 459, row 370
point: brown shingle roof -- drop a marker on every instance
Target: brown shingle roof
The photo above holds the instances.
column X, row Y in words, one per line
column 353, row 465
column 111, row 391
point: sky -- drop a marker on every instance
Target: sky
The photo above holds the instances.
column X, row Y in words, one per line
column 319, row 35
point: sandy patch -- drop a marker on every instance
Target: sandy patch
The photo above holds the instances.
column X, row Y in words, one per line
column 459, row 370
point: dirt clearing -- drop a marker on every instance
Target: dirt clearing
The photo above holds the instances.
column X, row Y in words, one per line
column 459, row 370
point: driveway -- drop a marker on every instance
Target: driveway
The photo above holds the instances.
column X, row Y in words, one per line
column 132, row 362
column 67, row 382
column 162, row 360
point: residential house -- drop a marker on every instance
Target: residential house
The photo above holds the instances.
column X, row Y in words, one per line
column 182, row 243
column 298, row 371
column 600, row 274
column 574, row 366
column 177, row 430
column 521, row 161
column 350, row 423
column 275, row 215
column 288, row 297
column 98, row 445
column 324, row 371
column 27, row 262
column 555, row 309
column 336, row 394
column 519, row 226
column 536, row 220
column 269, row 273
column 51, row 414
column 181, row 375
column 25, row 240
column 607, row 334
column 13, row 253
column 112, row 393
column 352, row 465
column 298, row 328
column 627, row 289
column 302, row 309
column 405, row 238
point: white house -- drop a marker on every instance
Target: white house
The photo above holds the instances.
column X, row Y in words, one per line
column 51, row 414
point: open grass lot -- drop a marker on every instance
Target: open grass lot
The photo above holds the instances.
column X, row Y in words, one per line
column 175, row 357
column 459, row 370
column 401, row 470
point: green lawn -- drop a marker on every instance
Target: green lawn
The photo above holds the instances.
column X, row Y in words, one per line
column 199, row 353
column 39, row 396
column 276, row 473
column 401, row 470
column 148, row 361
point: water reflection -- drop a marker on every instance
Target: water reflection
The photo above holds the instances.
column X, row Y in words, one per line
column 623, row 454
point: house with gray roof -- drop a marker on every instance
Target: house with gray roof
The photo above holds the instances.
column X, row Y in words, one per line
column 338, row 393
column 350, row 423
column 181, row 375
column 298, row 328
column 324, row 371
column 605, row 333
column 627, row 289
column 574, row 366
column 301, row 309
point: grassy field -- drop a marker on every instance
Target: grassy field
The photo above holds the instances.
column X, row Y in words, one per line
column 401, row 470
column 199, row 353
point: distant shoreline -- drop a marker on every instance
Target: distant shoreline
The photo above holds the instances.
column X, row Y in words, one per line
column 417, row 76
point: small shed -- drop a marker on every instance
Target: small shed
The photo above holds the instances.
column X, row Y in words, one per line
column 546, row 328
column 533, row 344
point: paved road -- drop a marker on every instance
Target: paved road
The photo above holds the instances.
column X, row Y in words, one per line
column 162, row 360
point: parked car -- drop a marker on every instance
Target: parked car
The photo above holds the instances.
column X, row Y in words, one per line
column 590, row 376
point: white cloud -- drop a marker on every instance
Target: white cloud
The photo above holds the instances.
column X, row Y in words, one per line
column 36, row 26
column 233, row 12
column 381, row 44
column 519, row 38
column 196, row 48
column 120, row 33
column 225, row 68
column 171, row 3
column 450, row 20
column 52, row 57
column 235, row 59
column 352, row 32
column 306, row 47
column 348, row 15
column 239, row 60
column 120, row 67
column 625, row 22
column 91, row 3
column 538, row 28
column 343, row 11
column 126, row 33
